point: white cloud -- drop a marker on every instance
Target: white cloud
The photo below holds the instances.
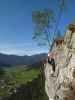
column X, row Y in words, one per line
column 21, row 49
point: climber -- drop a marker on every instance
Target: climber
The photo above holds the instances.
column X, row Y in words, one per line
column 51, row 61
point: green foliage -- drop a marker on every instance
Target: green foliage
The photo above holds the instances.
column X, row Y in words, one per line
column 32, row 90
column 29, row 84
column 42, row 17
column 15, row 77
column 21, row 76
column 61, row 4
column 42, row 21
column 2, row 72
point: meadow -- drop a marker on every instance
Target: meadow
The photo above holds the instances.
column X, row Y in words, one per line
column 14, row 77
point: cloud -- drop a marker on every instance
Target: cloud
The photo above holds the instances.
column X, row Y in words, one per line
column 21, row 49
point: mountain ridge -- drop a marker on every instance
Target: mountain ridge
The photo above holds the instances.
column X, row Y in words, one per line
column 7, row 60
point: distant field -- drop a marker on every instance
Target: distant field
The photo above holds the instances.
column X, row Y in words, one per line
column 22, row 75
column 15, row 76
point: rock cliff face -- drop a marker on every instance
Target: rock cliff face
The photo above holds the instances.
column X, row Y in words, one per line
column 61, row 86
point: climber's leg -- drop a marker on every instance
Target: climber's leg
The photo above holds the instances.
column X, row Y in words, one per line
column 53, row 67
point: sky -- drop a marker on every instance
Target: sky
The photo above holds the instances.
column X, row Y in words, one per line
column 16, row 25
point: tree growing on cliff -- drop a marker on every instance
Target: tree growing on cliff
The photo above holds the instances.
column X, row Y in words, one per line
column 43, row 22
